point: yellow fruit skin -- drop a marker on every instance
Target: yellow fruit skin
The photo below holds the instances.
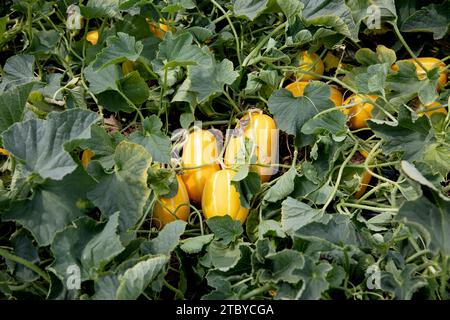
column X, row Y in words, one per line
column 127, row 67
column 92, row 37
column 178, row 206
column 433, row 105
column 200, row 150
column 159, row 29
column 258, row 130
column 359, row 113
column 305, row 63
column 365, row 179
column 221, row 198
column 428, row 63
column 4, row 152
column 86, row 157
column 297, row 88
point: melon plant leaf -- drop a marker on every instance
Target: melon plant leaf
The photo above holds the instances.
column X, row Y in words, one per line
column 292, row 113
column 408, row 136
column 249, row 8
column 433, row 18
column 209, row 79
column 100, row 8
column 119, row 48
column 225, row 228
column 52, row 206
column 12, row 105
column 195, row 244
column 167, row 239
column 43, row 145
column 296, row 214
column 17, row 71
column 136, row 279
column 431, row 217
column 125, row 190
column 153, row 139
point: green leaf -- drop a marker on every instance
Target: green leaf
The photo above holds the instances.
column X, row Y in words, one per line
column 249, row 8
column 292, row 113
column 153, row 139
column 106, row 287
column 225, row 228
column 222, row 256
column 433, row 18
column 247, row 187
column 18, row 70
column 432, row 217
column 137, row 278
column 166, row 241
column 411, row 171
column 25, row 249
column 12, row 105
column 102, row 145
column 437, row 155
column 295, row 215
column 209, row 79
column 408, row 136
column 103, row 79
column 102, row 247
column 195, row 244
column 179, row 50
column 282, row 266
column 100, row 9
column 314, row 277
column 403, row 283
column 135, row 88
column 125, row 190
column 43, row 145
column 333, row 122
column 283, row 187
column 291, row 9
column 52, row 206
column 332, row 14
column 87, row 245
column 271, row 228
column 119, row 48
column 338, row 230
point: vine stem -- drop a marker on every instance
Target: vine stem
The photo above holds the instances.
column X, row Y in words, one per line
column 256, row 292
column 402, row 40
column 238, row 46
column 177, row 291
column 338, row 180
column 261, row 44
column 26, row 263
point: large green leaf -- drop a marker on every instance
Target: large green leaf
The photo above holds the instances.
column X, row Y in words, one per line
column 225, row 228
column 125, row 190
column 153, row 139
column 101, row 9
column 52, row 206
column 431, row 217
column 292, row 113
column 119, row 48
column 209, row 79
column 296, row 214
column 87, row 245
column 408, row 136
column 18, row 70
column 434, row 18
column 166, row 241
column 12, row 105
column 137, row 278
column 249, row 8
column 332, row 14
column 283, row 187
column 43, row 145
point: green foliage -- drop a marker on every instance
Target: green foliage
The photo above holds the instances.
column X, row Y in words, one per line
column 311, row 231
